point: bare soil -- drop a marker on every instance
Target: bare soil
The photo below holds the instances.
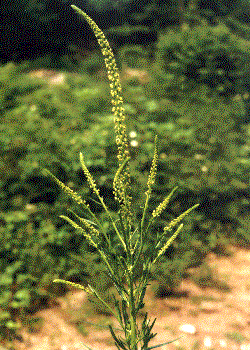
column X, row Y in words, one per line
column 217, row 319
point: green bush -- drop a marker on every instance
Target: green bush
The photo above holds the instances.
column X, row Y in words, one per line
column 36, row 118
column 26, row 274
column 198, row 105
column 203, row 55
column 204, row 148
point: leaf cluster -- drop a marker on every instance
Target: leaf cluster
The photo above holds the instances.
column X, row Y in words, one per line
column 26, row 276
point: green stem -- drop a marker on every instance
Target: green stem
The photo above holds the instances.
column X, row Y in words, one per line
column 132, row 316
column 114, row 225
column 104, row 302
column 142, row 225
column 101, row 227
column 144, row 211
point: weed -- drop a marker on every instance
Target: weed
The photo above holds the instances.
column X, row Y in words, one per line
column 124, row 253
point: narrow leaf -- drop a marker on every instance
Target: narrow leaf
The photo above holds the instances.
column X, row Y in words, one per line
column 119, row 342
column 86, row 346
column 119, row 315
column 169, row 342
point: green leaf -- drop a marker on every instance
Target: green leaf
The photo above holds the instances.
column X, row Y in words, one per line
column 5, row 280
column 86, row 346
column 21, row 298
column 157, row 346
column 119, row 342
column 5, row 297
column 4, row 315
column 12, row 325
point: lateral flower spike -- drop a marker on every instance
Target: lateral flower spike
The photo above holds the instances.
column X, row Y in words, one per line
column 66, row 189
column 77, row 227
column 169, row 242
column 161, row 207
column 89, row 177
column 174, row 222
column 153, row 170
column 72, row 284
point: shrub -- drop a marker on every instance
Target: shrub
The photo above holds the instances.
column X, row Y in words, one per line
column 203, row 55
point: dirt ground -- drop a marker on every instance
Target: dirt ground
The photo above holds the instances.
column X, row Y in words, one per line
column 207, row 318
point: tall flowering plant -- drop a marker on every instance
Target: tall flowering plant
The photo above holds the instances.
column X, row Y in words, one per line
column 131, row 235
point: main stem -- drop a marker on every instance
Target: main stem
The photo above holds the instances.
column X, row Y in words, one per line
column 133, row 334
column 131, row 306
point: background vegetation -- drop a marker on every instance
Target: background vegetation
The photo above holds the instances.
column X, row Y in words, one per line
column 190, row 86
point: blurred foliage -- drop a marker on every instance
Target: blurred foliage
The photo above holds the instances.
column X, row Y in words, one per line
column 203, row 110
column 202, row 150
column 48, row 117
column 207, row 277
column 104, row 5
column 134, row 56
column 43, row 24
column 36, row 117
column 26, row 272
column 207, row 55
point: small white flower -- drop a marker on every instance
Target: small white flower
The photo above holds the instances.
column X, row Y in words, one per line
column 198, row 156
column 132, row 134
column 188, row 328
column 208, row 342
column 204, row 169
column 33, row 108
column 134, row 143
column 223, row 343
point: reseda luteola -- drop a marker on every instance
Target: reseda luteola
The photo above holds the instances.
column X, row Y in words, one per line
column 131, row 240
